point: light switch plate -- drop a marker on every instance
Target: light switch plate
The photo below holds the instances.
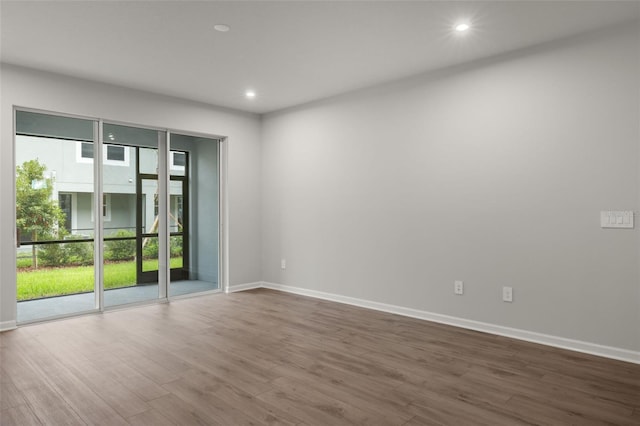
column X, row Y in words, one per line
column 616, row 219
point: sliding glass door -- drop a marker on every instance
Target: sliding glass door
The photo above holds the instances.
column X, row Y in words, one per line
column 141, row 204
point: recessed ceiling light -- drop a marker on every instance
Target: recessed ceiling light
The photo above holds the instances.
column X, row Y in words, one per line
column 250, row 94
column 221, row 27
column 462, row 27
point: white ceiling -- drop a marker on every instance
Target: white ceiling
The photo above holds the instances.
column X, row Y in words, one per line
column 289, row 52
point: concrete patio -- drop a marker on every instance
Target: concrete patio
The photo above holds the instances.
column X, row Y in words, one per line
column 33, row 310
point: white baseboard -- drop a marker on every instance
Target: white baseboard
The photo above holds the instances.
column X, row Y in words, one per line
column 529, row 336
column 243, row 287
column 7, row 325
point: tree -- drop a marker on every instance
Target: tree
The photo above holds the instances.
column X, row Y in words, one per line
column 36, row 213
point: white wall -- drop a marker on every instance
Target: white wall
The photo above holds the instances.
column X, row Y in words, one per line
column 35, row 89
column 493, row 173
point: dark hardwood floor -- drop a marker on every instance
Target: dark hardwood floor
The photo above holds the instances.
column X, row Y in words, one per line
column 265, row 357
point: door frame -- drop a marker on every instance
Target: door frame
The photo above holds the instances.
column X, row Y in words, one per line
column 98, row 240
column 176, row 274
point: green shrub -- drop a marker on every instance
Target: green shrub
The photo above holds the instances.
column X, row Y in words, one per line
column 79, row 253
column 120, row 249
column 175, row 246
column 53, row 255
column 150, row 249
column 126, row 249
column 66, row 254
column 24, row 262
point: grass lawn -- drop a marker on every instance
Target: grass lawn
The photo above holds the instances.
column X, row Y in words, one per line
column 48, row 282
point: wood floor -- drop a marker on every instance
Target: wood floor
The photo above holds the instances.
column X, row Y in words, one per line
column 264, row 357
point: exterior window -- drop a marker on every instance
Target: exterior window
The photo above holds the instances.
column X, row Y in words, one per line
column 115, row 153
column 64, row 201
column 86, row 150
column 179, row 159
column 112, row 155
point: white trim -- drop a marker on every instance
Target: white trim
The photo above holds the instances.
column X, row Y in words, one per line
column 163, row 182
column 10, row 293
column 8, row 325
column 247, row 286
column 98, row 219
column 529, row 336
column 223, row 215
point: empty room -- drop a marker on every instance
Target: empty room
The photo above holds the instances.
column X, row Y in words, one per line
column 319, row 212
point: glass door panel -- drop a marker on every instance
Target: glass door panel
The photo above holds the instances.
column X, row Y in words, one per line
column 193, row 206
column 54, row 192
column 130, row 249
column 119, row 219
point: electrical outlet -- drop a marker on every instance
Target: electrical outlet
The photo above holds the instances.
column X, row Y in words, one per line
column 507, row 294
column 283, row 263
column 458, row 287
